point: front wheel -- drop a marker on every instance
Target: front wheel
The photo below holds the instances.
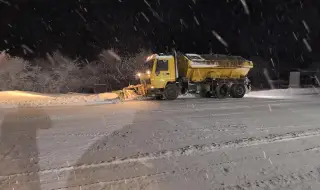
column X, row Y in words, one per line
column 238, row 91
column 171, row 92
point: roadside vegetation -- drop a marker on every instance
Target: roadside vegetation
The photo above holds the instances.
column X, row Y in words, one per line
column 60, row 74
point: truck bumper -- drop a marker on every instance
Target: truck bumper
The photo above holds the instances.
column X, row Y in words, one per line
column 154, row 91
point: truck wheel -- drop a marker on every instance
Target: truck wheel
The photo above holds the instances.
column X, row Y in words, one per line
column 238, row 91
column 222, row 91
column 171, row 92
column 159, row 97
column 204, row 93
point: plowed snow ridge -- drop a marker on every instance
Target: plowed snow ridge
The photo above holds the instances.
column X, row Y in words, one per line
column 190, row 150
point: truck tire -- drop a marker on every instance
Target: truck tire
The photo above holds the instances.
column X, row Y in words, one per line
column 171, row 92
column 159, row 97
column 222, row 91
column 238, row 91
column 204, row 93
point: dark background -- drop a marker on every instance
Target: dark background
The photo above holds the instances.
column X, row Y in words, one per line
column 272, row 29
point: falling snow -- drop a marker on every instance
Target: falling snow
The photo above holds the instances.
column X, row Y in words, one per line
column 260, row 31
column 272, row 62
column 82, row 17
column 25, row 47
column 295, row 36
column 114, row 55
column 219, row 38
column 245, row 6
column 307, row 44
column 146, row 2
column 306, row 25
column 147, row 19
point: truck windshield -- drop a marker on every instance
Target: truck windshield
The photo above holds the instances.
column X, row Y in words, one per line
column 148, row 65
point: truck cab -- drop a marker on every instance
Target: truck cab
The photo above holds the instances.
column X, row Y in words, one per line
column 161, row 72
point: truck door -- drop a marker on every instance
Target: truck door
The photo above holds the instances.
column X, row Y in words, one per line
column 162, row 73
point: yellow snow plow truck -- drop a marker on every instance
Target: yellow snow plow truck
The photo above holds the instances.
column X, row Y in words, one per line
column 167, row 76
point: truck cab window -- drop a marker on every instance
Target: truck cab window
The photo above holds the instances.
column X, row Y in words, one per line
column 162, row 65
column 148, row 65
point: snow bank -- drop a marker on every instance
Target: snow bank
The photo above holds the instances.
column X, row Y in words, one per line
column 284, row 93
column 12, row 99
column 187, row 95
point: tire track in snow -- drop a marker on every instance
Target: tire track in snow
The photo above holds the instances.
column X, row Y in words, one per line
column 186, row 151
column 279, row 181
column 121, row 180
column 275, row 181
column 54, row 117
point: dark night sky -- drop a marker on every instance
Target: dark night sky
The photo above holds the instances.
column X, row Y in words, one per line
column 277, row 29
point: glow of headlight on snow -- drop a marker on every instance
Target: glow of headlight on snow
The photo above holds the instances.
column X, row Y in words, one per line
column 307, row 44
column 266, row 96
column 195, row 18
column 219, row 38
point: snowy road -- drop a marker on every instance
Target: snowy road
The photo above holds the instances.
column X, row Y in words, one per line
column 248, row 143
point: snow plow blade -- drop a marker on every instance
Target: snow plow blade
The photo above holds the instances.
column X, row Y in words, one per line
column 131, row 92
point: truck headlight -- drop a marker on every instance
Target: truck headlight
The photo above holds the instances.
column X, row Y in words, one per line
column 148, row 72
column 139, row 74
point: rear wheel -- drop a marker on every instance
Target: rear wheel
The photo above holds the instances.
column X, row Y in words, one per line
column 171, row 92
column 222, row 91
column 238, row 91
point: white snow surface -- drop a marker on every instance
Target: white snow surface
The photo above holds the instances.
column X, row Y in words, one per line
column 190, row 143
column 12, row 99
column 284, row 93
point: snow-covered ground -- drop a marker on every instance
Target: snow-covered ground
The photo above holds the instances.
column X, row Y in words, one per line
column 190, row 143
column 14, row 99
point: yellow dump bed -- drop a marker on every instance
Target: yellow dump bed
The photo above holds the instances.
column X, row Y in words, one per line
column 199, row 67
